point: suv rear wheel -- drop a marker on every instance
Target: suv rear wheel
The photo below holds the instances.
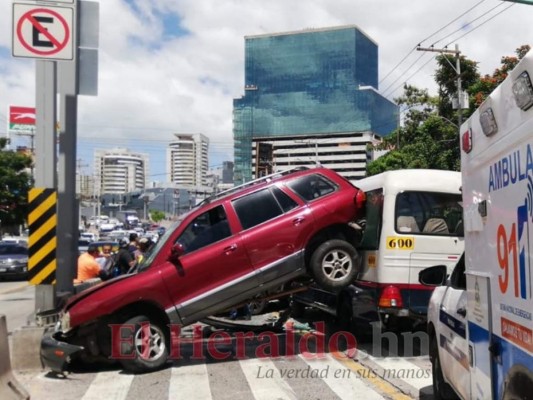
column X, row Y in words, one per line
column 334, row 264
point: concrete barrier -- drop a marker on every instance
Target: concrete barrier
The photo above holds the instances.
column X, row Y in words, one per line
column 26, row 348
column 10, row 388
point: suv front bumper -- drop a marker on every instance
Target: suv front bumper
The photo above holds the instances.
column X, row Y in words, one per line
column 55, row 353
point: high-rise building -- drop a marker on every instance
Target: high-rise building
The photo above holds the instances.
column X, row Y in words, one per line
column 120, row 170
column 187, row 160
column 312, row 91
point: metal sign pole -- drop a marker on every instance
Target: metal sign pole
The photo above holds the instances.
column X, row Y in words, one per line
column 67, row 219
column 45, row 118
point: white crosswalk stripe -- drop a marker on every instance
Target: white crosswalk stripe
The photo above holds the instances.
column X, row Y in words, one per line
column 341, row 379
column 191, row 382
column 109, row 385
column 297, row 377
column 263, row 386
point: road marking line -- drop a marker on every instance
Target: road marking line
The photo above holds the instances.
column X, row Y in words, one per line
column 399, row 368
column 342, row 380
column 374, row 379
column 265, row 380
column 109, row 385
column 189, row 382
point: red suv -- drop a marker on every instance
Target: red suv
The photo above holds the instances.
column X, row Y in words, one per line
column 245, row 241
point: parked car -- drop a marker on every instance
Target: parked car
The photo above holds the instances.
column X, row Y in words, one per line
column 83, row 245
column 295, row 225
column 90, row 236
column 13, row 260
column 14, row 240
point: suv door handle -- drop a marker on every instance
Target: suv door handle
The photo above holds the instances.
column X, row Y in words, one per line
column 230, row 249
column 298, row 220
column 461, row 311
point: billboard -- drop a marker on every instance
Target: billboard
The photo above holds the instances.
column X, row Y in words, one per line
column 21, row 118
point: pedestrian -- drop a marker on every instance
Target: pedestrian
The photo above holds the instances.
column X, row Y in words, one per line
column 106, row 258
column 88, row 267
column 124, row 258
column 144, row 245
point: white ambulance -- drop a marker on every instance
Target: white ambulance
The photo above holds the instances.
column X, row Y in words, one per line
column 480, row 323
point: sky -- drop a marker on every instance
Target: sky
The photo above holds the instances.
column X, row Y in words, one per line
column 175, row 66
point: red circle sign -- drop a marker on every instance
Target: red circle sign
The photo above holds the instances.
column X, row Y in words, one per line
column 57, row 44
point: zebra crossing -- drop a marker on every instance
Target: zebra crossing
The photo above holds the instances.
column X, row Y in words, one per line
column 296, row 377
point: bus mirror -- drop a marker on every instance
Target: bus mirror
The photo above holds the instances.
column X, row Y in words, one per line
column 433, row 276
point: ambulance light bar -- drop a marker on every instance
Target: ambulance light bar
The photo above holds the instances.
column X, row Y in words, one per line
column 523, row 91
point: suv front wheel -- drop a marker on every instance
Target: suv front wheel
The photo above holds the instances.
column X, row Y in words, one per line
column 333, row 264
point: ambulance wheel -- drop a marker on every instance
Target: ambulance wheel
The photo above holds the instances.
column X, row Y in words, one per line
column 334, row 264
column 441, row 390
column 145, row 347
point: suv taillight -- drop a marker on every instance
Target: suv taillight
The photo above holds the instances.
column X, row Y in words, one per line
column 391, row 297
column 360, row 201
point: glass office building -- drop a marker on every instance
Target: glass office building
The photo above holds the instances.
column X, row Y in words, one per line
column 305, row 83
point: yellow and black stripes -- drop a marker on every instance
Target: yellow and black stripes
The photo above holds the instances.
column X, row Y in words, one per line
column 42, row 222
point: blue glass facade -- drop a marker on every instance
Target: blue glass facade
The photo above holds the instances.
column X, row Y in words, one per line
column 305, row 83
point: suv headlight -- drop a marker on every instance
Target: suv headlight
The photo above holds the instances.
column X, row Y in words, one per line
column 64, row 322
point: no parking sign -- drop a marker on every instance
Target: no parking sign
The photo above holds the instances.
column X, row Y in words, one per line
column 43, row 32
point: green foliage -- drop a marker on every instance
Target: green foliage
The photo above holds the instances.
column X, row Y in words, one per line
column 157, row 215
column 480, row 90
column 15, row 182
column 428, row 137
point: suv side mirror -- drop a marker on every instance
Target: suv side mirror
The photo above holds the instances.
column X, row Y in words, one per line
column 433, row 276
column 175, row 253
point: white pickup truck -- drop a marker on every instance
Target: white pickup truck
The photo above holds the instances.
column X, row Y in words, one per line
column 480, row 323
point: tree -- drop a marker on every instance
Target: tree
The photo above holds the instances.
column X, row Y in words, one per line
column 446, row 78
column 426, row 140
column 15, row 182
column 428, row 137
column 480, row 90
column 157, row 215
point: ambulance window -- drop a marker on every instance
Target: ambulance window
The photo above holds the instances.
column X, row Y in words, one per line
column 374, row 217
column 458, row 278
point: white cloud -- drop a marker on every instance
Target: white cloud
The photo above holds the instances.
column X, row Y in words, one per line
column 153, row 83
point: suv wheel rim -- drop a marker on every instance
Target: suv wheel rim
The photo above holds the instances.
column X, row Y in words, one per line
column 336, row 265
column 149, row 342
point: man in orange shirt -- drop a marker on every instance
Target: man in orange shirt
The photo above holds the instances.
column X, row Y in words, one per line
column 88, row 267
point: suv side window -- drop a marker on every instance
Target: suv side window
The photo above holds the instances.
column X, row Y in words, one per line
column 283, row 199
column 256, row 208
column 374, row 219
column 310, row 187
column 205, row 229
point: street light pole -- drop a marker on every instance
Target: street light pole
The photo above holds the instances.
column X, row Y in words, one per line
column 457, row 70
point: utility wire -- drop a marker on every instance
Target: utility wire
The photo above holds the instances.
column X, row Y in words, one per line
column 400, row 77
column 470, row 22
column 410, row 76
column 480, row 25
column 452, row 21
column 433, row 34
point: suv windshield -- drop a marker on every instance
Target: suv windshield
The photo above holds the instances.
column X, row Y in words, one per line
column 150, row 255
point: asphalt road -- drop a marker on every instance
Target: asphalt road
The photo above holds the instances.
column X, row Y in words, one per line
column 17, row 303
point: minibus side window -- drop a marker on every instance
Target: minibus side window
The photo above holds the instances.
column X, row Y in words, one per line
column 374, row 218
column 429, row 213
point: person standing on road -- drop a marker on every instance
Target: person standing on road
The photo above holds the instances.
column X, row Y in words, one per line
column 88, row 267
column 124, row 259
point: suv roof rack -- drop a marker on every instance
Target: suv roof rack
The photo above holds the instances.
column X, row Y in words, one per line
column 257, row 181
